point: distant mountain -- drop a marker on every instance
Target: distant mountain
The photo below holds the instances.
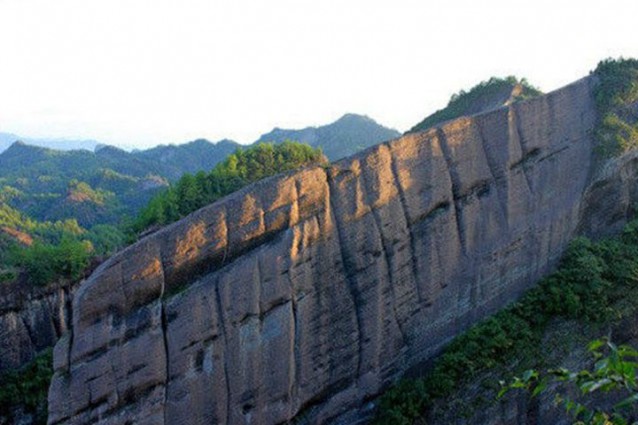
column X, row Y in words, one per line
column 102, row 184
column 97, row 187
column 7, row 139
column 191, row 157
column 346, row 136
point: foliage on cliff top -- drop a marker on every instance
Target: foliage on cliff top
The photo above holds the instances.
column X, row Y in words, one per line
column 616, row 98
column 27, row 388
column 192, row 192
column 591, row 278
column 486, row 95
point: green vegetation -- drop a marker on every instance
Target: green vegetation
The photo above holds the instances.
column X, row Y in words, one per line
column 192, row 192
column 591, row 279
column 46, row 263
column 92, row 188
column 485, row 95
column 43, row 252
column 27, row 388
column 614, row 370
column 616, row 99
column 46, row 252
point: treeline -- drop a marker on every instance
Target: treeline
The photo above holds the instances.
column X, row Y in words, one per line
column 245, row 166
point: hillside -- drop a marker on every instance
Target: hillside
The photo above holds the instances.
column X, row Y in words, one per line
column 92, row 187
column 346, row 136
column 43, row 183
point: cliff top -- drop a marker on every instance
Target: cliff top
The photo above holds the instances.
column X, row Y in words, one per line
column 483, row 97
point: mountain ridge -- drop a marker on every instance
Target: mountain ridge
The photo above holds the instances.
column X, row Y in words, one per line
column 336, row 139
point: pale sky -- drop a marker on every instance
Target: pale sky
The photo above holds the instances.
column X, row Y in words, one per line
column 145, row 72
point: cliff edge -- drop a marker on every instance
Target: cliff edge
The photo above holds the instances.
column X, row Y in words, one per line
column 309, row 292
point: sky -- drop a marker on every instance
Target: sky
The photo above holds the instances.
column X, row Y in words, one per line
column 147, row 72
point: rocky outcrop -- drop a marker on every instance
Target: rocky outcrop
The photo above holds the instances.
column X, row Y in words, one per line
column 306, row 294
column 31, row 319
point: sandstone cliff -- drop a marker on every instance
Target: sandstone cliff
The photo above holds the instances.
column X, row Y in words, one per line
column 309, row 292
column 31, row 319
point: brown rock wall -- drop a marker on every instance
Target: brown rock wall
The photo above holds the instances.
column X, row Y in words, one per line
column 311, row 291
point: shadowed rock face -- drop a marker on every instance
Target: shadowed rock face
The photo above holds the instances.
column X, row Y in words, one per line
column 311, row 291
column 31, row 319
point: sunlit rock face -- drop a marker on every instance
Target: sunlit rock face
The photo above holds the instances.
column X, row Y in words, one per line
column 309, row 292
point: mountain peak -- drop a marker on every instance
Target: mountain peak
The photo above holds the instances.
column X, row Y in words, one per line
column 19, row 147
column 354, row 117
column 343, row 137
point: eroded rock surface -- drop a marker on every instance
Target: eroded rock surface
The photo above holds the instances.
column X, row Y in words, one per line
column 309, row 292
column 31, row 319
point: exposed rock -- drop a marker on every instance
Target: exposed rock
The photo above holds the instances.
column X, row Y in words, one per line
column 312, row 291
column 31, row 319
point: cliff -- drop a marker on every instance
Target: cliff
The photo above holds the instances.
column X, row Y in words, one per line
column 31, row 319
column 309, row 292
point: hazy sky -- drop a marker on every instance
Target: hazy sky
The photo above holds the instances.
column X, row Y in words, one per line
column 150, row 71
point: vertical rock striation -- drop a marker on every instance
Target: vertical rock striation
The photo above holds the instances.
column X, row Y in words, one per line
column 31, row 319
column 310, row 291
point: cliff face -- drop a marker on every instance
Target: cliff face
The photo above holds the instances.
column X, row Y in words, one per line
column 311, row 291
column 31, row 319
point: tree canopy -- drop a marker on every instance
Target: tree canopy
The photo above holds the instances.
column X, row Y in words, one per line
column 243, row 167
